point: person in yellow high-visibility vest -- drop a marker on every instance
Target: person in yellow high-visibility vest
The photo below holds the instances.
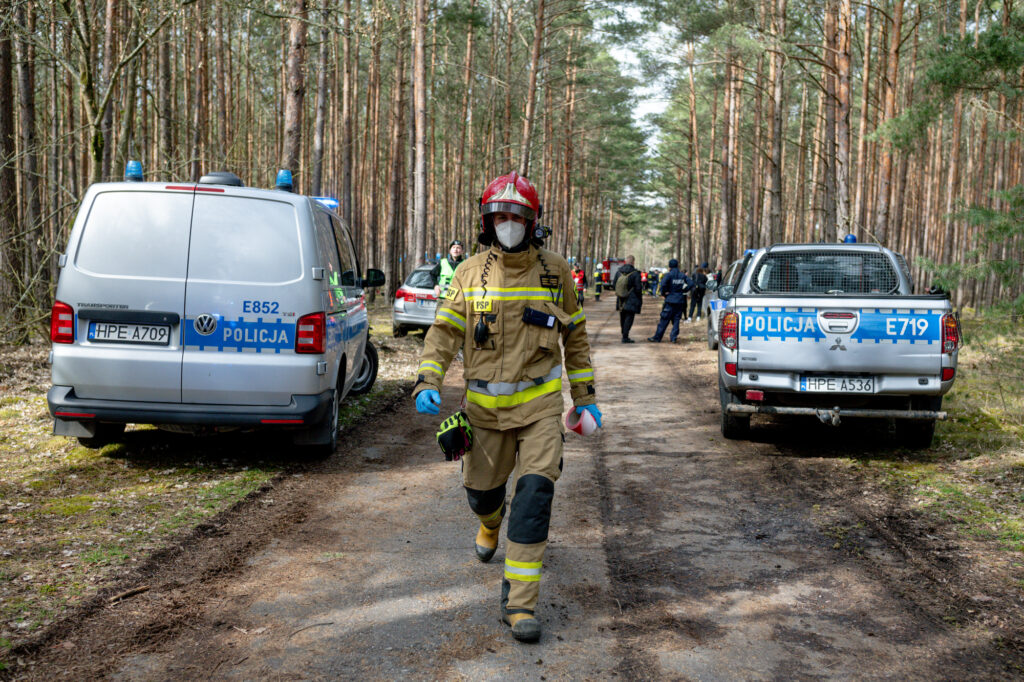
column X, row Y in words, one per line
column 512, row 309
column 445, row 268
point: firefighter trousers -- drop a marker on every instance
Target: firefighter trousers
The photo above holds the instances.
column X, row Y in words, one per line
column 535, row 451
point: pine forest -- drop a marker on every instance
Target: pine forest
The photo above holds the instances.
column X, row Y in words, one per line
column 656, row 127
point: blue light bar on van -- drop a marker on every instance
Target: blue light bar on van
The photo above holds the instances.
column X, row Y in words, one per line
column 133, row 172
column 328, row 202
column 284, row 180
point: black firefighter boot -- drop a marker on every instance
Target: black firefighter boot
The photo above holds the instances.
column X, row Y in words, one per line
column 525, row 626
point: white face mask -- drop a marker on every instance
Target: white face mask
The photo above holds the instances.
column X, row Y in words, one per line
column 510, row 233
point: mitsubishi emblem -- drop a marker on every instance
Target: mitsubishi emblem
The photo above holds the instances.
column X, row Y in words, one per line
column 205, row 324
column 838, row 345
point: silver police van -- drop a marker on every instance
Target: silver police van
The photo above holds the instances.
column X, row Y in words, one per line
column 207, row 305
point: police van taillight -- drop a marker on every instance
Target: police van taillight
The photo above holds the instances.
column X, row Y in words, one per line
column 311, row 333
column 728, row 329
column 62, row 323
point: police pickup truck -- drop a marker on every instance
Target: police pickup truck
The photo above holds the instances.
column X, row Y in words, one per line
column 834, row 331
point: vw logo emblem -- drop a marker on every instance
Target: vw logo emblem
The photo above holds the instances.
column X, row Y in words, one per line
column 205, row 324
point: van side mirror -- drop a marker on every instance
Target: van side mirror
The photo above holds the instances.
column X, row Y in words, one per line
column 712, row 285
column 374, row 278
column 726, row 291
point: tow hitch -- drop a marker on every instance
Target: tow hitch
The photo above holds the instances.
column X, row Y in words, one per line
column 832, row 416
column 829, row 416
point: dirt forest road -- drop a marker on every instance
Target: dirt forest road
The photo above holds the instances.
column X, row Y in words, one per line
column 674, row 554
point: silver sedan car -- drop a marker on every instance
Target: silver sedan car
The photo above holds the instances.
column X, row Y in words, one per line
column 415, row 302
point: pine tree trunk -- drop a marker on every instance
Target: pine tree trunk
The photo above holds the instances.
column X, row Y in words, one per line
column 775, row 226
column 8, row 181
column 295, row 90
column 859, row 194
column 393, row 264
column 465, row 123
column 953, row 176
column 347, row 111
column 419, row 80
column 531, row 93
column 321, row 109
column 845, row 22
column 881, row 223
column 725, row 241
column 30, row 178
column 165, row 113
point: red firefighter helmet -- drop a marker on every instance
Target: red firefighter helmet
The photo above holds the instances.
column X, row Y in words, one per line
column 511, row 193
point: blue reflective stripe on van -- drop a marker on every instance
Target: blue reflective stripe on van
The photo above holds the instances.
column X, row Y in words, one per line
column 241, row 334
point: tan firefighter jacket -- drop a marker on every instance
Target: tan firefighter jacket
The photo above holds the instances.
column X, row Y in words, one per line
column 514, row 377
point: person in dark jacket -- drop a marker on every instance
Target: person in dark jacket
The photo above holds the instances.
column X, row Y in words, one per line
column 674, row 286
column 700, row 285
column 633, row 301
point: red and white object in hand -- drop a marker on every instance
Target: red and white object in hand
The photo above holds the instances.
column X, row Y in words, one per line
column 584, row 424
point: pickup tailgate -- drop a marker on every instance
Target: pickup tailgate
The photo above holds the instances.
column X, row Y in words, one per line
column 883, row 335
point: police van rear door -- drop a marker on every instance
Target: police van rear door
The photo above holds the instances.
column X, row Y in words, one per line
column 243, row 297
column 125, row 280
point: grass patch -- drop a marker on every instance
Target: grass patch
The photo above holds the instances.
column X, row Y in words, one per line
column 72, row 518
column 973, row 475
column 69, row 506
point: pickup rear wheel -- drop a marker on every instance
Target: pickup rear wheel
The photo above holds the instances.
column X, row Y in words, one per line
column 367, row 373
column 917, row 434
column 733, row 427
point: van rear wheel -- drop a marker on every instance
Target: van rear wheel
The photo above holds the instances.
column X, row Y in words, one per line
column 367, row 373
column 106, row 433
column 712, row 341
column 321, row 439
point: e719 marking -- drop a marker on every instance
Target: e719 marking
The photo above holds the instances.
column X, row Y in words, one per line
column 899, row 326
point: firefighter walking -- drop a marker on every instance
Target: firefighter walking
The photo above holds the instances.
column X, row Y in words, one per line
column 508, row 307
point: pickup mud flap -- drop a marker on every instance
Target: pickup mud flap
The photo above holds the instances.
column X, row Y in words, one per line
column 833, row 416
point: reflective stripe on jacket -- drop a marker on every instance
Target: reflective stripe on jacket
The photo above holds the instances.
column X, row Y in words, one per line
column 514, row 377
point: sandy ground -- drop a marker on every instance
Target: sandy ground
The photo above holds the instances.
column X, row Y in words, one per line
column 674, row 554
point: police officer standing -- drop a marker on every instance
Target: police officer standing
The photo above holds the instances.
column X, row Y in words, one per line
column 674, row 286
column 445, row 268
column 700, row 285
column 508, row 307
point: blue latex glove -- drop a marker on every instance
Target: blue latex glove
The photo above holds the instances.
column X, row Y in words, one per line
column 428, row 402
column 592, row 409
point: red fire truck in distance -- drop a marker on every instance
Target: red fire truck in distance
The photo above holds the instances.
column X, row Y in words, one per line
column 610, row 266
